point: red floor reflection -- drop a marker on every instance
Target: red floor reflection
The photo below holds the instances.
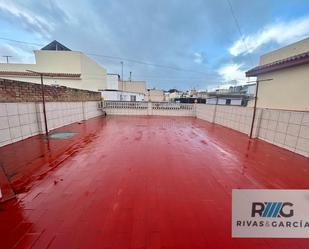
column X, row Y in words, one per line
column 139, row 182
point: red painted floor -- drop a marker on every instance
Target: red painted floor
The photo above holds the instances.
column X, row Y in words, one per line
column 139, row 182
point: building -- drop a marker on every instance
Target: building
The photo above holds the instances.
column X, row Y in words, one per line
column 235, row 95
column 115, row 95
column 60, row 66
column 155, row 95
column 116, row 90
column 283, row 78
column 134, row 86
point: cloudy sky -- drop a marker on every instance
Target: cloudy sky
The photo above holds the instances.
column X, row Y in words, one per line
column 170, row 43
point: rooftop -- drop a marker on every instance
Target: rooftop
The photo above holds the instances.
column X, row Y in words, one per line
column 291, row 61
column 140, row 182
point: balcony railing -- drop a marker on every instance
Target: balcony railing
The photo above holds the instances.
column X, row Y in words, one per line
column 147, row 108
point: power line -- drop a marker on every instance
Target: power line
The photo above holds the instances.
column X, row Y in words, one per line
column 238, row 28
column 116, row 58
column 22, row 42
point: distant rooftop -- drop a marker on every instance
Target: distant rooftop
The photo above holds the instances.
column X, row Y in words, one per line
column 55, row 46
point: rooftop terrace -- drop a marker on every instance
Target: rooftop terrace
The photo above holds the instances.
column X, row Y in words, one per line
column 140, row 182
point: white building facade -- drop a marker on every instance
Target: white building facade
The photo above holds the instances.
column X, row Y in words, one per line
column 60, row 67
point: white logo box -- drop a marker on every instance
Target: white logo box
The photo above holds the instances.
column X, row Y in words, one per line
column 261, row 213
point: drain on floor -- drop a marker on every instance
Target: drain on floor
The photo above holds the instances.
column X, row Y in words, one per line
column 62, row 135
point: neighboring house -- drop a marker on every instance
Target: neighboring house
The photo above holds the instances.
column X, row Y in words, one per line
column 116, row 95
column 226, row 100
column 132, row 86
column 112, row 82
column 60, row 66
column 235, row 95
column 283, row 78
column 155, row 95
column 116, row 90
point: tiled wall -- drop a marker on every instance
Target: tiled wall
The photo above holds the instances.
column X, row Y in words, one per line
column 234, row 117
column 21, row 120
column 17, row 121
column 205, row 112
column 287, row 129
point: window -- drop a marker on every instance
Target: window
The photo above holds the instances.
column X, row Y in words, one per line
column 132, row 98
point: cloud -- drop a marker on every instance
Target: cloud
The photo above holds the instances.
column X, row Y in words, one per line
column 233, row 72
column 199, row 58
column 30, row 18
column 282, row 33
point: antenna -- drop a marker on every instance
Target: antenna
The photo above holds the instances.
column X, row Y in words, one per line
column 7, row 58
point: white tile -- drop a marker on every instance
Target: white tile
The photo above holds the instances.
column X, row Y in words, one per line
column 303, row 144
column 15, row 132
column 264, row 123
column 14, row 121
column 293, row 129
column 25, row 131
column 270, row 135
column 305, row 120
column 272, row 125
column 3, row 110
column 274, row 115
column 4, row 122
column 24, row 119
column 34, row 129
column 11, row 108
column 22, row 108
column 304, row 132
column 32, row 118
column 284, row 116
column 282, row 127
column 279, row 138
column 31, row 108
column 296, row 117
column 5, row 135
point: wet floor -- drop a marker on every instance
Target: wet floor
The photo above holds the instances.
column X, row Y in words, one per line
column 139, row 182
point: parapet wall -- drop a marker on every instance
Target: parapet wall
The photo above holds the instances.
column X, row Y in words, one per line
column 21, row 109
column 18, row 91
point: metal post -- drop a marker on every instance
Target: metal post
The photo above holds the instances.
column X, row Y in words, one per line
column 254, row 108
column 43, row 98
column 44, row 109
column 215, row 110
column 122, row 75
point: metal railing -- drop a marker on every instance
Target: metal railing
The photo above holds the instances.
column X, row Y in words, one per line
column 145, row 105
column 124, row 105
column 171, row 106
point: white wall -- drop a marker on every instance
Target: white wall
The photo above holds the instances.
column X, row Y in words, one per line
column 112, row 82
column 212, row 101
column 235, row 101
column 93, row 76
column 121, row 96
column 19, row 121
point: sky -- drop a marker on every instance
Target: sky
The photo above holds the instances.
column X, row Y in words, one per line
column 200, row 44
